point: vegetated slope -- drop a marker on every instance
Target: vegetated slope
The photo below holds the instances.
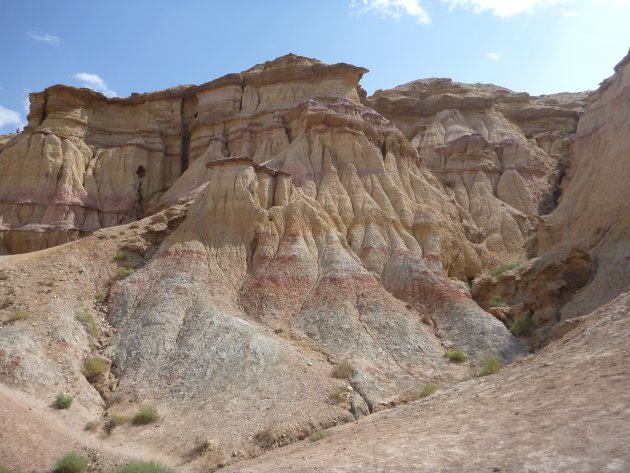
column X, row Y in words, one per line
column 563, row 409
column 305, row 231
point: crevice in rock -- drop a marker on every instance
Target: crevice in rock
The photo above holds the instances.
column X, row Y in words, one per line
column 188, row 112
column 44, row 111
column 139, row 210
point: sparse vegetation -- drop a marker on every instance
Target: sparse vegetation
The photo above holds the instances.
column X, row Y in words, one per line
column 522, row 326
column 502, row 269
column 319, row 435
column 92, row 426
column 63, row 401
column 278, row 331
column 19, row 314
column 3, row 277
column 123, row 271
column 87, row 320
column 338, row 394
column 456, row 355
column 115, row 419
column 568, row 129
column 120, row 256
column 7, row 470
column 496, row 301
column 146, row 415
column 343, row 370
column 425, row 391
column 490, row 364
column 100, row 295
column 143, row 467
column 72, row 463
column 101, row 236
column 95, row 367
column 115, row 398
column 266, row 438
column 202, row 445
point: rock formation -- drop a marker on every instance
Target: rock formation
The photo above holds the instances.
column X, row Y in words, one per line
column 279, row 223
column 584, row 244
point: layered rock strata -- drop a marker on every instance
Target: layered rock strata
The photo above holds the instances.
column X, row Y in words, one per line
column 583, row 258
column 499, row 154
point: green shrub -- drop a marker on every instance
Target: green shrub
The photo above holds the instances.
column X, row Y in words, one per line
column 92, row 426
column 522, row 326
column 86, row 319
column 502, row 269
column 425, row 391
column 143, row 467
column 145, row 415
column 95, row 367
column 568, row 129
column 115, row 419
column 202, row 445
column 120, row 255
column 7, row 470
column 319, row 435
column 72, row 463
column 123, row 271
column 343, row 370
column 63, row 401
column 456, row 355
column 266, row 438
column 338, row 394
column 19, row 314
column 496, row 301
column 490, row 364
column 100, row 295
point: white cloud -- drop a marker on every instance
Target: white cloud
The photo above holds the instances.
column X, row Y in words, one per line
column 568, row 13
column 94, row 82
column 504, row 8
column 10, row 117
column 27, row 101
column 45, row 37
column 393, row 8
column 493, row 56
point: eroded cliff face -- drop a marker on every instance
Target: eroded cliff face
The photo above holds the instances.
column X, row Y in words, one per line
column 279, row 223
column 500, row 154
column 584, row 244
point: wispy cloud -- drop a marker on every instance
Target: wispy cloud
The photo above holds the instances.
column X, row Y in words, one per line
column 10, row 117
column 44, row 37
column 493, row 56
column 568, row 13
column 503, row 8
column 393, row 8
column 27, row 101
column 94, row 82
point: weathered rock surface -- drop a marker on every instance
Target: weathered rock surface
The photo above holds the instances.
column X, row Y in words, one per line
column 500, row 154
column 277, row 226
column 583, row 257
column 564, row 409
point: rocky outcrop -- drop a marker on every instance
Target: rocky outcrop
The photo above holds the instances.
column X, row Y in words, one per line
column 303, row 231
column 584, row 244
column 499, row 154
column 280, row 223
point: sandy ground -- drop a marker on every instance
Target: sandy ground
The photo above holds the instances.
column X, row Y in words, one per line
column 564, row 409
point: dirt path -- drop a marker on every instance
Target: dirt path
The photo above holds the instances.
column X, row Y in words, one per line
column 565, row 409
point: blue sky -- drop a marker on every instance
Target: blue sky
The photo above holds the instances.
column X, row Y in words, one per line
column 119, row 47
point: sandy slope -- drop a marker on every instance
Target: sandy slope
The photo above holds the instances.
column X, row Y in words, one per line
column 565, row 409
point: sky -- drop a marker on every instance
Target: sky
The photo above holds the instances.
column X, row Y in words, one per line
column 121, row 46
